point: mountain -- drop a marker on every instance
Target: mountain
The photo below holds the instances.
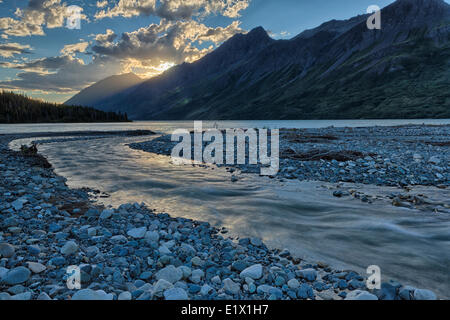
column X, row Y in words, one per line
column 339, row 70
column 102, row 90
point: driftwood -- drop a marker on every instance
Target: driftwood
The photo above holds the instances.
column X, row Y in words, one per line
column 320, row 154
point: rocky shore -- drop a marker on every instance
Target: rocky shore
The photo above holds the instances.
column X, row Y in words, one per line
column 132, row 252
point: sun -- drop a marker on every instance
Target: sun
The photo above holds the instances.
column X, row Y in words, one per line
column 164, row 66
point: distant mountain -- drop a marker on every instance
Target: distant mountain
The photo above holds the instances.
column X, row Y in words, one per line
column 102, row 90
column 339, row 70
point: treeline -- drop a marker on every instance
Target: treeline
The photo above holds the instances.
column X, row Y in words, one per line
column 18, row 108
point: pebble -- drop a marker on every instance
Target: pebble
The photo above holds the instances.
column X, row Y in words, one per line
column 17, row 275
column 124, row 296
column 308, row 274
column 253, row 272
column 293, row 284
column 422, row 294
column 170, row 274
column 36, row 267
column 360, row 295
column 106, row 214
column 175, row 294
column 89, row 294
column 137, row 233
column 69, row 248
column 231, row 286
column 6, row 250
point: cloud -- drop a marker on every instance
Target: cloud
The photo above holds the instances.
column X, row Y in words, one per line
column 102, row 4
column 71, row 74
column 7, row 50
column 148, row 51
column 174, row 9
column 106, row 38
column 36, row 15
column 164, row 42
column 71, row 49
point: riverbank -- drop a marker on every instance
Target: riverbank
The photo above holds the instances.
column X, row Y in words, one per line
column 131, row 252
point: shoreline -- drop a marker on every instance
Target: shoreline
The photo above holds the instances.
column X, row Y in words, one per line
column 143, row 255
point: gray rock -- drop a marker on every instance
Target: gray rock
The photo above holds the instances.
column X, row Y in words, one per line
column 187, row 272
column 137, row 233
column 6, row 250
column 360, row 295
column 253, row 272
column 89, row 294
column 161, row 286
column 18, row 204
column 92, row 232
column 206, row 289
column 5, row 296
column 434, row 160
column 231, row 286
column 170, row 274
column 197, row 276
column 216, row 280
column 3, row 273
column 293, row 284
column 152, row 236
column 124, row 296
column 118, row 239
column 256, row 242
column 25, row 296
column 17, row 275
column 175, row 294
column 308, row 274
column 36, row 267
column 69, row 248
column 43, row 296
column 407, row 293
column 422, row 294
column 197, row 262
column 264, row 289
column 187, row 250
column 106, row 214
column 163, row 250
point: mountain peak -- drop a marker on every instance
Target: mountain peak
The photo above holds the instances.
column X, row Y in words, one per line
column 258, row 31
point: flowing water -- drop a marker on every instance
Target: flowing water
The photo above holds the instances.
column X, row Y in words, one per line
column 410, row 246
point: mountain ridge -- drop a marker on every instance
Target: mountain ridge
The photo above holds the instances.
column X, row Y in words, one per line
column 339, row 69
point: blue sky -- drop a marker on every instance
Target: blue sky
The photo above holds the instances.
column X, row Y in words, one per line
column 43, row 58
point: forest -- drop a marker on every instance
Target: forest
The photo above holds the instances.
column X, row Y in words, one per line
column 18, row 108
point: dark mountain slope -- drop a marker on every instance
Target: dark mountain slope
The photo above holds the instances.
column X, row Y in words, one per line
column 104, row 89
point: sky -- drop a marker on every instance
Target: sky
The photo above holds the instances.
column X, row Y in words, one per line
column 51, row 50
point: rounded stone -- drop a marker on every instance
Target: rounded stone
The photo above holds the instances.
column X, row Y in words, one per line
column 174, row 294
column 422, row 294
column 293, row 284
column 69, row 248
column 360, row 295
column 253, row 272
column 6, row 250
column 17, row 276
